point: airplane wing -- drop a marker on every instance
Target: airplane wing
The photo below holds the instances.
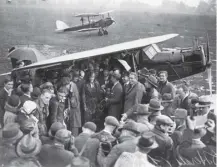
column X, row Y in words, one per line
column 102, row 13
column 88, row 29
column 87, row 15
column 102, row 51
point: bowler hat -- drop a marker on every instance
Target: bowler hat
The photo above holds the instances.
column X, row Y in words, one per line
column 147, row 142
column 203, row 101
column 54, row 128
column 11, row 133
column 110, row 120
column 167, row 97
column 198, row 133
column 36, row 93
column 13, row 100
column 27, row 125
column 180, row 113
column 152, row 80
column 28, row 107
column 80, row 162
column 163, row 119
column 90, row 125
column 63, row 135
column 155, row 105
column 141, row 109
column 131, row 126
column 28, row 146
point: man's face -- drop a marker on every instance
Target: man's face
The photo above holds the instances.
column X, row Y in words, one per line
column 46, row 97
column 125, row 79
column 163, row 77
column 61, row 96
column 92, row 78
column 147, row 84
column 202, row 110
column 90, row 67
column 105, row 73
column 75, row 79
column 9, row 85
column 21, row 64
column 165, row 104
column 210, row 125
column 166, row 128
column 132, row 79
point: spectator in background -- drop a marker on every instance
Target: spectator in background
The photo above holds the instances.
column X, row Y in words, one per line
column 155, row 109
column 11, row 109
column 185, row 97
column 167, row 102
column 164, row 85
column 5, row 92
column 26, row 89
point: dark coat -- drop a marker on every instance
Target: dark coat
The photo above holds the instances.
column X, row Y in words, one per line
column 115, row 101
column 81, row 140
column 54, row 156
column 3, row 100
column 133, row 96
column 7, row 153
column 23, row 99
column 166, row 87
column 186, row 103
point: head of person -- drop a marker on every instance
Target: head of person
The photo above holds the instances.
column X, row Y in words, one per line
column 133, row 78
column 8, row 84
column 89, row 128
column 142, row 112
column 111, row 123
column 180, row 116
column 166, row 100
column 54, row 128
column 183, row 90
column 62, row 94
column 75, row 76
column 27, row 88
column 129, row 129
column 82, row 74
column 46, row 95
column 63, row 137
column 155, row 107
column 163, row 75
column 198, row 133
column 91, row 77
column 13, row 101
column 151, row 82
column 49, row 86
column 29, row 107
column 11, row 133
column 210, row 125
column 146, row 144
column 65, row 82
column 115, row 77
column 20, row 63
column 203, row 105
column 106, row 72
column 164, row 123
column 90, row 67
column 125, row 77
column 152, row 72
column 36, row 93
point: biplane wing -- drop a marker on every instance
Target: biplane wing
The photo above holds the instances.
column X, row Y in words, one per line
column 87, row 15
column 103, row 13
column 116, row 48
column 88, row 29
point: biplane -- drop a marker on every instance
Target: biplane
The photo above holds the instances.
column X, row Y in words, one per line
column 135, row 55
column 88, row 23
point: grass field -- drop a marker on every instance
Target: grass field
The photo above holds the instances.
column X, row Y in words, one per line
column 31, row 25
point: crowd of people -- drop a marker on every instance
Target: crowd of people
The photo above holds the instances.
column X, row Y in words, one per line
column 102, row 117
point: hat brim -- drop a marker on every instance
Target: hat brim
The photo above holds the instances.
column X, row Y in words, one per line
column 153, row 84
column 166, row 101
column 205, row 105
column 13, row 139
column 157, row 109
column 153, row 146
column 27, row 155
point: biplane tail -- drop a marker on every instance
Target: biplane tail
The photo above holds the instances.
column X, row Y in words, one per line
column 61, row 26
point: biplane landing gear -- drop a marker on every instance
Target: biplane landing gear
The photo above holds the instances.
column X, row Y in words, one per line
column 100, row 33
column 105, row 32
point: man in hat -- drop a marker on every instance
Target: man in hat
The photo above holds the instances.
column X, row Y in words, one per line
column 55, row 155
column 151, row 85
column 127, row 143
column 139, row 158
column 88, row 129
column 43, row 111
column 11, row 109
column 11, row 134
column 167, row 104
column 4, row 94
column 26, row 89
column 106, row 135
column 114, row 102
column 180, row 116
column 155, row 109
column 160, row 131
column 164, row 85
column 135, row 92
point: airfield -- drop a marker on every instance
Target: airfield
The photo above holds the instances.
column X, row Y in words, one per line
column 34, row 26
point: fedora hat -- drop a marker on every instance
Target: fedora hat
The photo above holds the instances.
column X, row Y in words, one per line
column 131, row 126
column 167, row 97
column 152, row 80
column 198, row 133
column 63, row 135
column 11, row 133
column 28, row 146
column 180, row 113
column 54, row 128
column 155, row 105
column 80, row 162
column 147, row 142
column 203, row 101
column 141, row 109
column 163, row 119
column 90, row 125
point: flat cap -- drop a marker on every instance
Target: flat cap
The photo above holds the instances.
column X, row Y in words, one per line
column 163, row 119
column 110, row 120
column 90, row 125
column 180, row 113
column 131, row 126
column 141, row 109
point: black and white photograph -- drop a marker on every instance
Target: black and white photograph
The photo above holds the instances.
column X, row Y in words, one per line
column 108, row 83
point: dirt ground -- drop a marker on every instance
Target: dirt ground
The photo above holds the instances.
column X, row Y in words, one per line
column 32, row 25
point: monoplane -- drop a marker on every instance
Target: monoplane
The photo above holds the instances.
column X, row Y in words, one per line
column 88, row 23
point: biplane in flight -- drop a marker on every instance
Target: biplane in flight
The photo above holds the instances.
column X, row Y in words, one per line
column 132, row 56
column 100, row 25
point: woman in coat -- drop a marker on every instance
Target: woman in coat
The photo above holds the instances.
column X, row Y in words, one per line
column 90, row 97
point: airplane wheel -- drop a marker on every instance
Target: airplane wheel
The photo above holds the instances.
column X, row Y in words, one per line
column 105, row 32
column 100, row 33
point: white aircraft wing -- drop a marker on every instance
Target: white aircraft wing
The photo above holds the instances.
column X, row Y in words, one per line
column 87, row 15
column 88, row 29
column 102, row 13
column 102, row 51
